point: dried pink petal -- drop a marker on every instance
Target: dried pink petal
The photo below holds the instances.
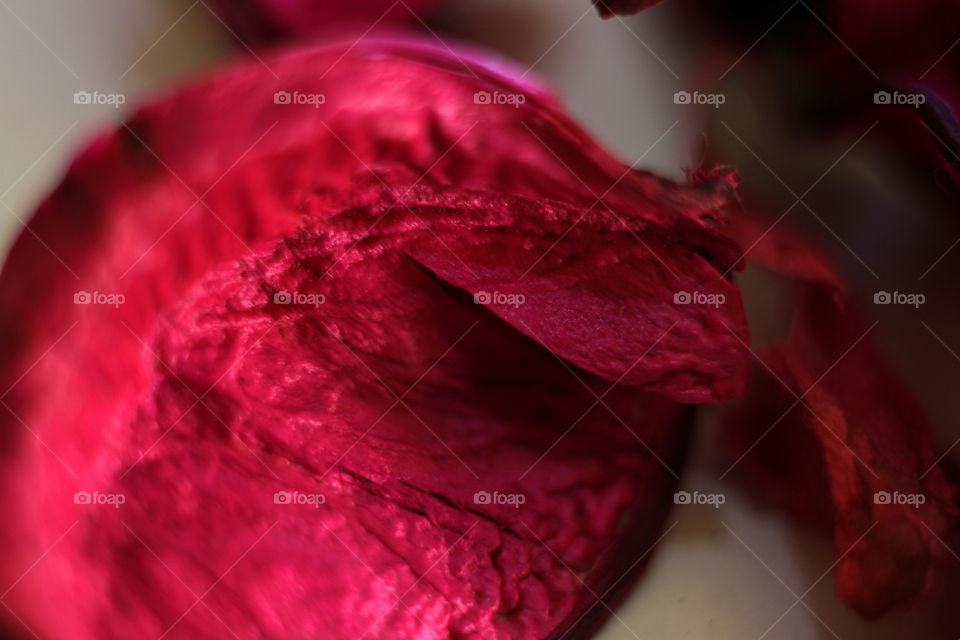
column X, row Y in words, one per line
column 314, row 420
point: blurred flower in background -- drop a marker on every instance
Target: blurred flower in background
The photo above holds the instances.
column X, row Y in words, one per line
column 290, row 20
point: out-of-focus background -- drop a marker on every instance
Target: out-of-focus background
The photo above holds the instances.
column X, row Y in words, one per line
column 738, row 571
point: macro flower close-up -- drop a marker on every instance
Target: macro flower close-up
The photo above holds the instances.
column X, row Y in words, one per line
column 373, row 322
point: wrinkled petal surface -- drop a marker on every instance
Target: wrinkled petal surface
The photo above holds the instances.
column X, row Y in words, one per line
column 316, row 423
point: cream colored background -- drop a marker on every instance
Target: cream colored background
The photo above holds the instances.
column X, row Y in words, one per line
column 718, row 573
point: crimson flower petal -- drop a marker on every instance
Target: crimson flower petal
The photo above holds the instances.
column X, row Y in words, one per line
column 606, row 306
column 297, row 420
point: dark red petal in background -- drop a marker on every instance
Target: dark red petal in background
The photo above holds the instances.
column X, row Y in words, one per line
column 200, row 396
column 836, row 56
column 610, row 8
column 912, row 48
column 875, row 439
column 827, row 391
column 256, row 21
column 786, row 253
column 940, row 118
